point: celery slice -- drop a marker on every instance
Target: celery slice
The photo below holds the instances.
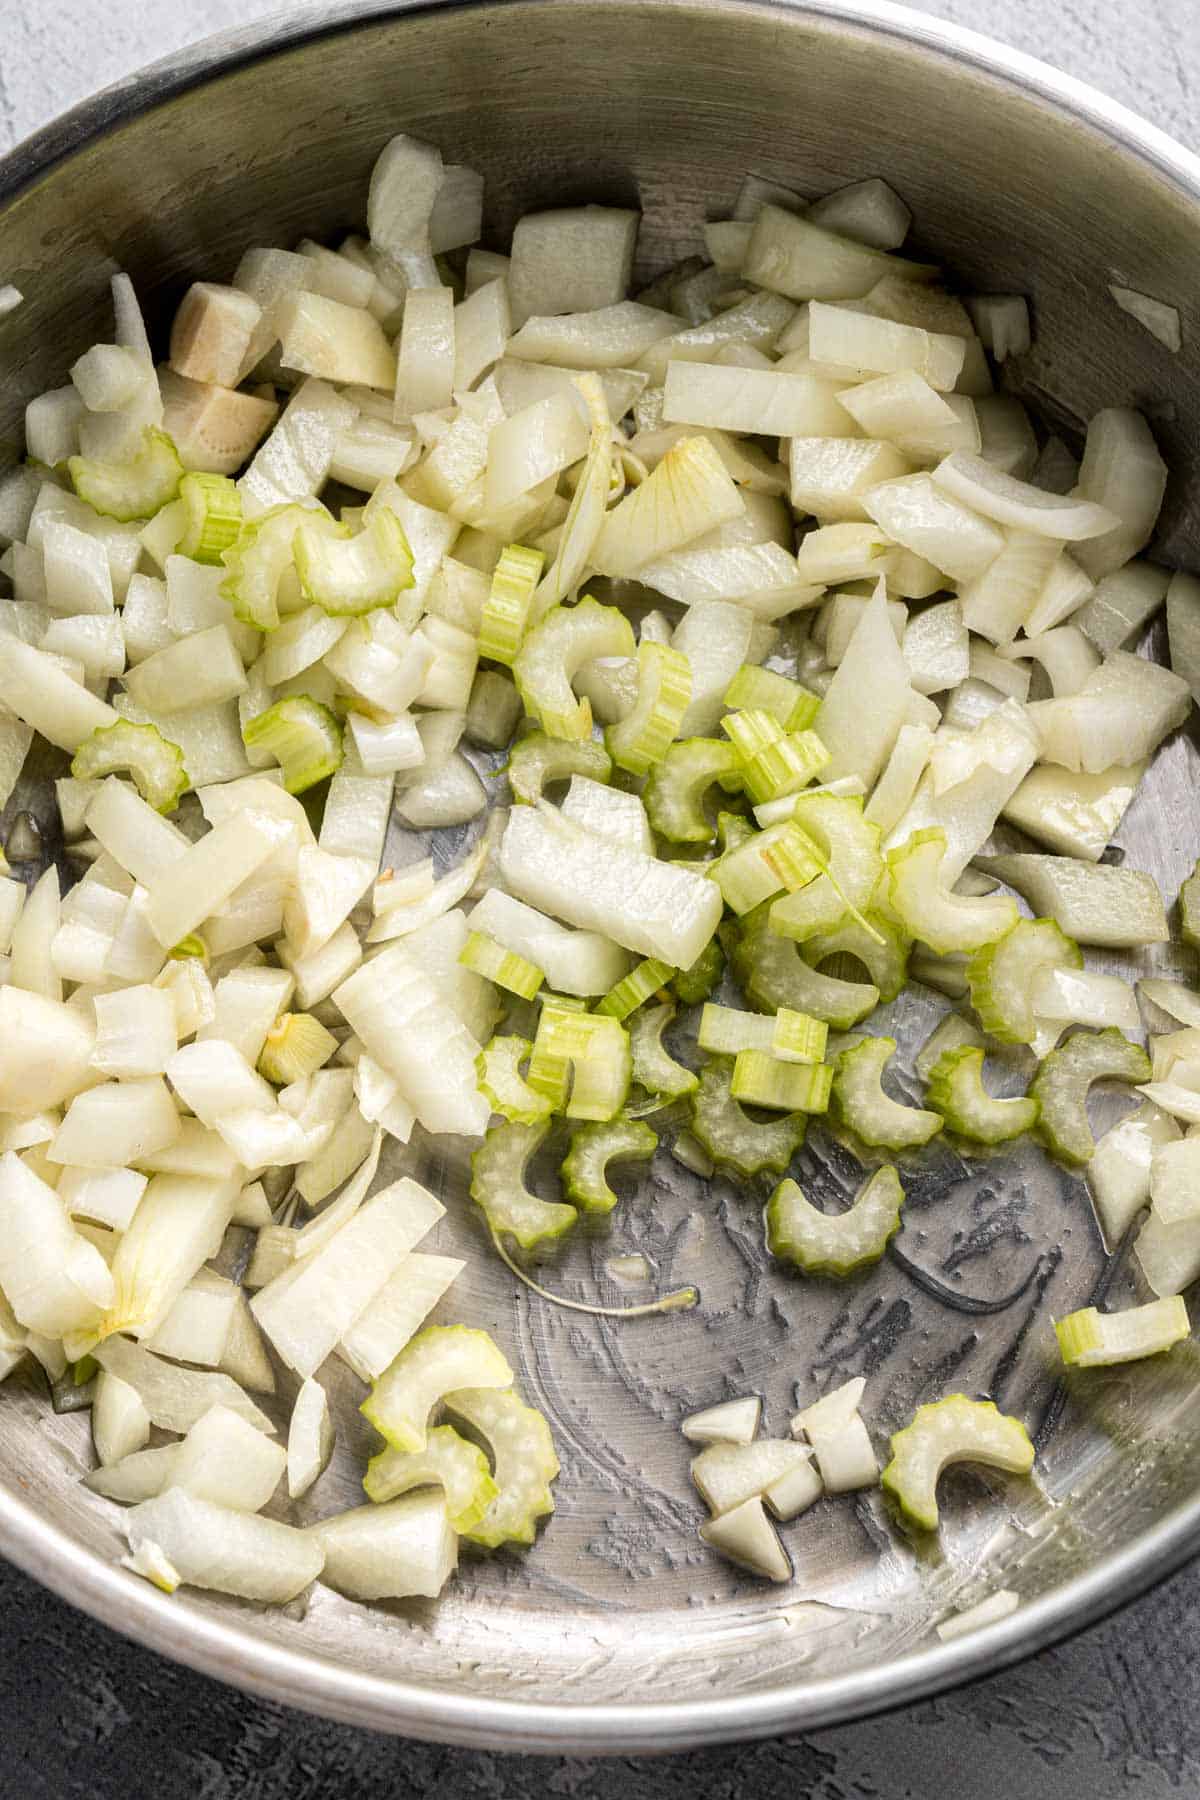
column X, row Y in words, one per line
column 785, row 766
column 155, row 764
column 260, row 557
column 948, row 1431
column 675, row 791
column 774, row 975
column 593, row 1147
column 498, row 1187
column 136, row 488
column 854, row 866
column 538, row 759
column 507, row 607
column 212, row 511
column 591, row 1049
column 835, row 1243
column 751, row 731
column 448, row 1461
column 760, row 1079
column 635, row 989
column 304, row 738
column 1089, row 1339
column 1061, row 1088
column 654, row 1068
column 789, row 1036
column 486, row 957
column 296, row 1046
column 1002, row 976
column 750, row 872
column 956, row 1091
column 642, row 738
column 524, row 1463
column 348, row 574
column 792, row 705
column 552, row 654
column 504, row 1087
column 697, row 982
column 875, row 941
column 945, row 921
column 438, row 1361
column 731, row 1138
column 861, row 1105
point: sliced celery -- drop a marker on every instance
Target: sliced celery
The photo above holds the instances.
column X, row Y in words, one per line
column 654, row 1068
column 507, row 607
column 697, row 983
column 675, row 791
column 498, row 1187
column 853, row 866
column 552, row 654
column 948, row 1431
column 785, row 766
column 861, row 1105
column 642, row 738
column 789, row 1036
column 593, row 1147
column 502, row 1085
column 484, row 956
column 876, row 941
column 1089, row 1339
column 438, row 1361
column 931, row 912
column 757, row 866
column 260, row 558
column 155, row 764
column 635, row 989
column 731, row 1138
column 773, row 975
column 212, row 511
column 523, row 1458
column 793, row 705
column 956, row 1091
column 1062, row 1083
column 596, row 1049
column 537, row 759
column 1002, row 976
column 759, row 1079
column 134, row 489
column 304, row 738
column 347, row 574
column 296, row 1046
column 835, row 1243
column 448, row 1461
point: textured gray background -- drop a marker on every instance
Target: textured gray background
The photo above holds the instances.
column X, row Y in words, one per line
column 86, row 1714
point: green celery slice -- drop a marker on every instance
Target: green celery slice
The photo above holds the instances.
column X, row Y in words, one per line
column 347, row 574
column 498, row 1187
column 643, row 737
column 524, row 1463
column 730, row 1136
column 693, row 985
column 956, row 1091
column 552, row 654
column 835, row 1243
column 448, row 1461
column 947, row 922
column 212, row 511
column 507, row 607
column 861, row 1105
column 952, row 1430
column 879, row 943
column 774, row 975
column 1089, row 1339
column 438, row 1361
column 654, row 1068
column 537, row 759
column 155, row 763
column 498, row 1067
column 593, row 1147
column 135, row 488
column 1002, row 976
column 304, row 738
column 675, row 790
column 1062, row 1083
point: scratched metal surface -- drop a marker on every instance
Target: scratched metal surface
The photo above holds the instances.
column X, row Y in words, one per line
column 987, row 1255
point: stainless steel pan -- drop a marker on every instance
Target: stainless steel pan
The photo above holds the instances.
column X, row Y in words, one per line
column 617, row 1632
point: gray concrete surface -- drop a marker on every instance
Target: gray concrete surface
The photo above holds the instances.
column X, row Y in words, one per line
column 83, row 1714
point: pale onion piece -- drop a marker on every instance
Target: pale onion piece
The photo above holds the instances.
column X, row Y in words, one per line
column 340, row 343
column 840, row 337
column 175, row 1397
column 186, row 980
column 870, row 212
column 32, row 961
column 116, row 1123
column 937, row 648
column 867, row 700
column 795, row 257
column 728, row 1474
column 1175, row 1055
column 1065, row 654
column 607, row 812
column 294, row 461
column 894, row 790
column 1074, row 814
column 1122, row 713
column 541, row 440
column 1002, row 751
column 762, row 401
column 406, row 179
column 398, row 921
column 209, row 737
column 745, row 461
column 450, row 795
column 150, row 1562
column 453, row 659
column 40, row 692
column 715, row 636
column 305, row 1311
column 918, row 514
column 388, row 748
column 607, row 337
column 135, row 1032
column 54, row 1280
column 1123, row 602
column 213, row 1078
column 1183, row 629
column 1118, row 1175
column 727, row 241
column 245, row 1358
column 270, row 1140
column 1159, row 317
column 840, row 1440
column 656, row 909
column 1174, row 1190
column 998, row 603
column 45, row 1051
column 829, row 554
column 793, row 1492
column 408, row 1028
column 310, row 1438
column 1018, row 504
column 729, row 1422
column 253, row 1208
column 211, row 333
column 521, row 384
column 1083, row 997
column 214, row 429
column 316, row 976
column 104, row 1196
column 321, row 895
column 586, row 515
column 1123, row 471
column 896, row 406
column 382, row 1329
column 1181, row 1102
column 247, row 1002
column 371, row 451
column 570, row 260
column 425, row 358
column 122, row 542
column 356, row 816
column 120, row 1422
column 840, row 618
column 1007, row 675
column 997, row 1606
column 15, row 740
column 229, row 1552
column 223, row 1460
column 1093, row 903
column 97, row 642
column 180, row 1222
column 830, row 476
column 379, row 1099
column 192, row 888
column 76, row 571
column 746, row 1536
column 962, row 432
column 351, row 1139
column 438, row 947
column 1168, row 1255
column 763, row 578
column 320, row 1231
column 687, row 494
column 754, row 323
column 573, row 962
column 52, row 425
column 403, row 1548
column 1173, row 997
column 25, row 1134
column 482, row 327
column 1065, row 590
